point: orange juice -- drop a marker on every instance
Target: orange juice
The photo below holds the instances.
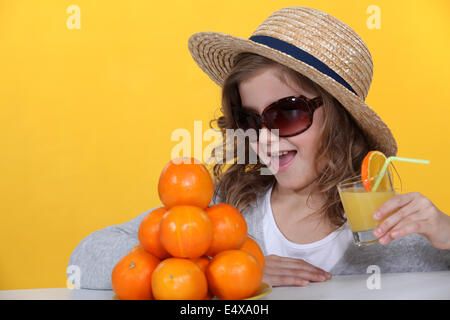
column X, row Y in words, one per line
column 360, row 205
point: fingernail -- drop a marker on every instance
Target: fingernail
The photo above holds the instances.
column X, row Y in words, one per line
column 384, row 240
column 302, row 283
column 377, row 232
column 376, row 215
column 322, row 278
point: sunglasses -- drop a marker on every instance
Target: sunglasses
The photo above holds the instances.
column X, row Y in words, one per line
column 290, row 115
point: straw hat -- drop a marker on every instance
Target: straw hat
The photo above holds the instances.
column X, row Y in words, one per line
column 314, row 44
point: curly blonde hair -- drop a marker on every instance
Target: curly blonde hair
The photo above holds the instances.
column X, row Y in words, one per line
column 342, row 148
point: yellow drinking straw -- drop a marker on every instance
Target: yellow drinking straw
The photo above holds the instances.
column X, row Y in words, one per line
column 386, row 164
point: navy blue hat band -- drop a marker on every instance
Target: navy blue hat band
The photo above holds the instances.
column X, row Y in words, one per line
column 301, row 55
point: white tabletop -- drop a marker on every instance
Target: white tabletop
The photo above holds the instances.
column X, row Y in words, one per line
column 426, row 285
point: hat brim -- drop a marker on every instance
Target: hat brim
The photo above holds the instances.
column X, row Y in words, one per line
column 215, row 52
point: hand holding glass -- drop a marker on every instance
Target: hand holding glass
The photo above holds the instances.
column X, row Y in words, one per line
column 360, row 205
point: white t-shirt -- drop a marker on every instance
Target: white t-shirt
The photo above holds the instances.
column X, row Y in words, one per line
column 323, row 254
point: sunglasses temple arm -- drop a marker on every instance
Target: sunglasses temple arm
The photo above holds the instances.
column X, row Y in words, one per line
column 315, row 103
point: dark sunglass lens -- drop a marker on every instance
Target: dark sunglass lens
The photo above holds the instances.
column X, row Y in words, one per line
column 289, row 117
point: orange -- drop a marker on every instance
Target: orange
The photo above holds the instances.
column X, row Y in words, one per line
column 370, row 168
column 203, row 263
column 185, row 184
column 252, row 247
column 131, row 276
column 137, row 248
column 186, row 232
column 149, row 233
column 230, row 228
column 179, row 279
column 234, row 274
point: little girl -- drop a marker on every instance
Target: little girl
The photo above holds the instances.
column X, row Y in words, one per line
column 305, row 74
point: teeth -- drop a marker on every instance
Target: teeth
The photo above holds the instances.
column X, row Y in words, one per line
column 279, row 154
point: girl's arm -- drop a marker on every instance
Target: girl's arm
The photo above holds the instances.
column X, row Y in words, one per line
column 98, row 253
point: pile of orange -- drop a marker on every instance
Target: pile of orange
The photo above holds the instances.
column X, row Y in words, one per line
column 188, row 249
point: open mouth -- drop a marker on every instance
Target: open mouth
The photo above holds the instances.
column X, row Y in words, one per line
column 283, row 159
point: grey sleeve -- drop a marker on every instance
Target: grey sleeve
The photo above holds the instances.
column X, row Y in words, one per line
column 413, row 253
column 97, row 254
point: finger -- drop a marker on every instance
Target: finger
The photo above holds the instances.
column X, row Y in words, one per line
column 384, row 240
column 419, row 226
column 395, row 218
column 393, row 204
column 413, row 216
column 307, row 275
column 292, row 263
column 281, row 280
column 393, row 233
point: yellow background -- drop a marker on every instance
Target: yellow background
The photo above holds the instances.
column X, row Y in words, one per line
column 87, row 115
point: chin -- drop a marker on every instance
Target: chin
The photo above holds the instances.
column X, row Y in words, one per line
column 295, row 178
column 291, row 182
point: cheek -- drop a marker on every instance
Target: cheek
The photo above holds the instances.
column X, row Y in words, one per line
column 308, row 142
column 307, row 145
column 260, row 151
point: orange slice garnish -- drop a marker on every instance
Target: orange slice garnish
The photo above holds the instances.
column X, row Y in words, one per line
column 370, row 168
